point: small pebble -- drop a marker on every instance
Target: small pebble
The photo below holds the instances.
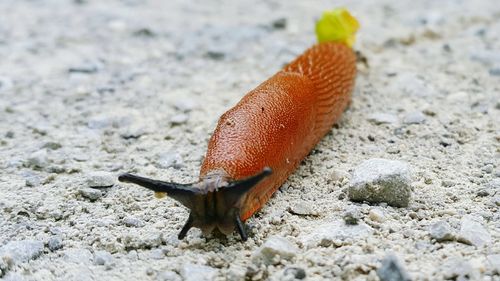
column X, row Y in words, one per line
column 32, row 180
column 339, row 175
column 157, row 254
column 179, row 119
column 104, row 258
column 376, row 215
column 5, row 83
column 52, row 145
column 76, row 255
column 55, row 243
column 381, row 180
column 21, row 251
column 185, row 105
column 352, row 215
column 295, row 272
column 382, row 118
column 472, row 232
column 485, row 56
column 236, row 272
column 194, row 272
column 274, row 249
column 167, row 276
column 496, row 200
column 91, row 193
column 85, row 68
column 493, row 185
column 302, row 208
column 279, row 23
column 336, row 233
column 38, row 160
column 494, row 261
column 133, row 222
column 441, row 231
column 448, row 183
column 170, row 159
column 215, row 55
column 415, row 117
column 457, row 269
column 100, row 179
column 392, row 270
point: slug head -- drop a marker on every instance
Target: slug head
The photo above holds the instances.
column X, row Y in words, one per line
column 213, row 202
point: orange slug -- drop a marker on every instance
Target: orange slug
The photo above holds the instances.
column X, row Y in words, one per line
column 259, row 142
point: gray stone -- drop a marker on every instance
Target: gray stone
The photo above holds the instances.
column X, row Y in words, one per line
column 179, row 119
column 55, row 243
column 392, row 270
column 76, row 255
column 472, row 232
column 100, row 179
column 38, row 159
column 415, row 117
column 441, row 231
column 381, row 180
column 104, row 258
column 382, row 118
column 337, row 233
column 170, row 159
column 194, row 272
column 90, row 193
column 16, row 252
column 274, row 249
column 494, row 261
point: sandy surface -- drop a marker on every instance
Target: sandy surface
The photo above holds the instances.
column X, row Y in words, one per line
column 113, row 86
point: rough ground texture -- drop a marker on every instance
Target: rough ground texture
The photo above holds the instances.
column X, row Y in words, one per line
column 92, row 87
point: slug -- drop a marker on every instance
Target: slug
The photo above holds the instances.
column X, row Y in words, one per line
column 259, row 142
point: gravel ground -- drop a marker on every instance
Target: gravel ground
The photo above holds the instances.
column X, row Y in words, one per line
column 90, row 89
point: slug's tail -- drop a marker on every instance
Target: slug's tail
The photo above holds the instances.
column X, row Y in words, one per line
column 337, row 25
column 331, row 66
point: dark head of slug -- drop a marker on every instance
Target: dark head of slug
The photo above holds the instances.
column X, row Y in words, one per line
column 213, row 202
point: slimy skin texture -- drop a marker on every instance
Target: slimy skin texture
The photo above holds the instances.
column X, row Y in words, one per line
column 278, row 123
column 259, row 142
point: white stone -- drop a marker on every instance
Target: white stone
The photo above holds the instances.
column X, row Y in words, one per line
column 274, row 249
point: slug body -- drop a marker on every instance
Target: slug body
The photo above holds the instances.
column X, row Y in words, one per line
column 273, row 128
column 277, row 124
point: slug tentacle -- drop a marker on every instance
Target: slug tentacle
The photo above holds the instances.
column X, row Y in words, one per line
column 211, row 205
column 187, row 226
column 180, row 192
